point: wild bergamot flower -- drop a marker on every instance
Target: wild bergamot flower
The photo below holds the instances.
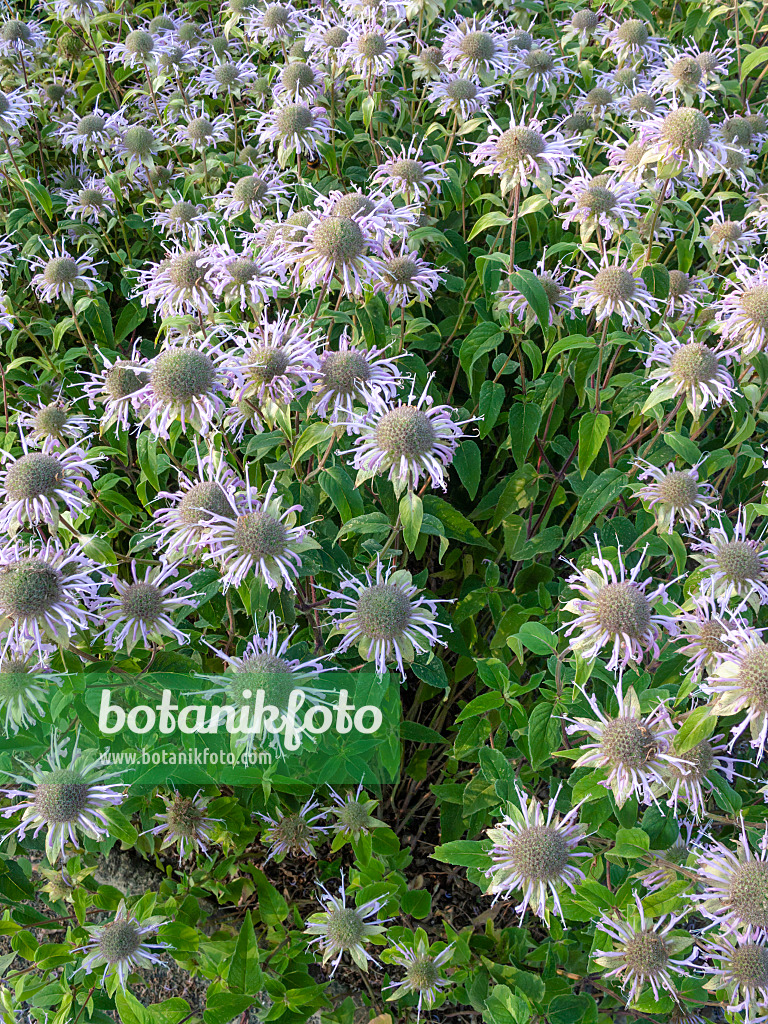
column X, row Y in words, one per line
column 739, row 966
column 184, row 823
column 145, row 608
column 35, row 486
column 59, row 274
column 644, row 952
column 64, row 800
column 353, row 816
column 615, row 609
column 25, row 680
column 384, row 616
column 121, row 946
column 735, row 884
column 422, row 972
column 340, row 929
column 742, row 313
column 614, row 288
column 739, row 685
column 535, row 852
column 294, row 832
column 683, row 141
column 525, row 153
column 635, row 748
column 475, row 44
column 693, row 370
column 352, row 374
column 676, row 493
column 734, row 564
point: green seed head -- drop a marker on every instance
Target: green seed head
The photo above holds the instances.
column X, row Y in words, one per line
column 142, row 602
column 461, row 89
column 694, row 364
column 687, row 130
column 139, row 141
column 139, row 43
column 182, row 374
column 679, row 489
column 343, row 371
column 186, row 271
column 754, row 302
column 297, row 75
column 35, row 475
column 383, row 611
column 737, row 131
column 260, row 535
column 614, row 284
column 118, row 941
column 539, row 853
column 122, row 381
column 585, row 21
column 203, row 500
column 294, row 119
column 62, row 796
column 633, row 32
column 91, row 126
column 646, row 953
column 276, row 17
column 61, row 270
column 626, row 741
column 29, row 588
column 749, row 965
column 267, row 672
column 753, row 671
column 339, row 239
column 478, row 46
column 251, row 189
column 345, row 928
column 748, row 893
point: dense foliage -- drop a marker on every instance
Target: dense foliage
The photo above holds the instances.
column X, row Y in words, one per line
column 417, row 350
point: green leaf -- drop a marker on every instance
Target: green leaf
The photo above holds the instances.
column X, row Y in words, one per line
column 524, row 421
column 457, row 526
column 146, row 451
column 656, row 277
column 340, row 488
column 120, row 827
column 491, row 400
column 570, row 344
column 537, row 638
column 481, row 705
column 538, row 730
column 317, row 433
column 463, row 853
column 683, row 446
column 481, row 339
column 41, row 194
column 272, row 906
column 725, row 796
column 699, row 724
column 603, row 490
column 223, row 1007
column 754, row 60
column 417, row 903
column 494, row 219
column 593, row 430
column 532, row 289
column 411, row 516
column 99, row 319
column 630, row 843
column 131, row 317
column 245, row 975
column 466, row 462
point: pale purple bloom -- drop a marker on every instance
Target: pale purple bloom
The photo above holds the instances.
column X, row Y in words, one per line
column 252, row 193
column 630, row 41
column 92, row 203
column 715, row 62
column 534, row 852
column 34, row 485
column 42, row 589
column 686, row 294
column 275, row 362
column 17, row 36
column 734, row 564
column 615, row 609
column 210, row 491
column 384, row 616
column 735, row 884
column 614, row 288
column 422, row 973
column 540, row 68
column 120, row 946
column 6, row 314
column 409, row 173
column 643, row 953
column 526, row 153
column 94, row 131
column 689, row 783
column 191, row 221
column 691, row 369
column 332, row 933
column 261, row 540
column 475, row 44
column 372, row 50
column 326, row 34
column 372, row 209
column 352, row 374
column 729, row 237
column 739, row 686
column 627, row 159
column 136, row 50
column 60, row 275
column 298, row 81
column 144, row 608
column 187, row 382
column 683, row 140
column 742, row 971
column 407, row 440
column 404, row 277
column 602, row 201
column 137, row 146
column 634, row 747
column 742, row 313
column 682, row 76
column 598, row 102
column 64, row 800
column 201, row 132
column 275, row 22
column 337, row 248
column 460, row 95
column 676, row 493
column 558, row 295
column 354, row 816
column 226, row 77
column 77, row 10
column 703, row 631
column 177, row 284
column 25, row 677
column 15, row 111
column 293, row 832
column 184, row 823
column 242, row 278
column 119, row 388
column 294, row 128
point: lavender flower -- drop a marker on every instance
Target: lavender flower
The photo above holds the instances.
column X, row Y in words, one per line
column 242, row 278
column 119, row 388
column 226, row 77
column 614, row 288
column 742, row 313
column 646, row 953
column 60, row 275
column 144, row 608
column 177, row 285
column 703, row 629
column 276, row 362
column 558, row 295
column 350, row 375
column 735, row 893
column 34, row 485
column 337, row 248
column 739, row 685
column 252, row 193
column 676, row 493
column 405, row 277
column 691, row 369
column 92, row 203
column 186, row 383
column 616, row 609
column 384, row 617
column 201, row 132
column 599, row 202
column 353, row 817
column 262, row 539
column 689, row 783
column 340, row 929
column 683, row 141
column 540, row 68
column 372, row 50
column 459, row 95
column 636, row 748
column 742, row 972
column 535, row 853
column 25, row 678
column 734, row 564
column 475, row 44
column 41, row 589
column 93, row 132
column 407, row 441
column 120, row 946
column 408, row 173
column 630, row 41
column 185, row 824
column 64, row 800
column 294, row 128
column 190, row 221
column 524, row 154
column 295, row 832
column 686, row 293
column 422, row 970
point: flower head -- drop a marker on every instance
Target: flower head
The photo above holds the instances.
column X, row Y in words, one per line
column 177, row 284
column 64, row 800
column 615, row 609
column 643, row 953
column 523, row 154
column 691, row 369
column 733, row 563
column 739, row 964
column 34, row 486
column 676, row 493
column 384, row 616
column 184, row 824
column 352, row 374
column 290, row 833
column 739, row 685
column 422, row 972
column 275, row 362
column 60, row 275
column 144, row 608
column 636, row 748
column 742, row 313
column 475, row 44
column 683, row 141
column 354, row 816
column 535, row 852
column 615, row 288
column 120, row 946
column 735, row 885
column 25, row 679
column 187, row 382
column 294, row 127
column 340, row 929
